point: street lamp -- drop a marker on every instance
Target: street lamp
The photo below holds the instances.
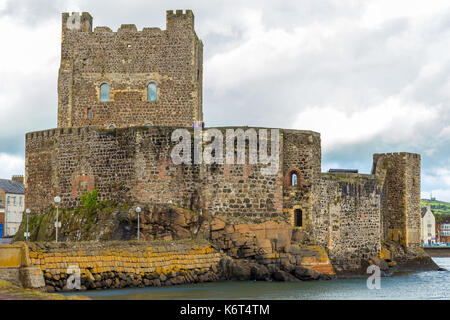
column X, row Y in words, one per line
column 27, row 234
column 138, row 210
column 57, row 223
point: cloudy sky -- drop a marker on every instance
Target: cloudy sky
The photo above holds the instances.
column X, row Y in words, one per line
column 370, row 76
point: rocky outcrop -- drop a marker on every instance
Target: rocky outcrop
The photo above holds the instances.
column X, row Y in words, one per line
column 400, row 258
column 239, row 269
column 117, row 280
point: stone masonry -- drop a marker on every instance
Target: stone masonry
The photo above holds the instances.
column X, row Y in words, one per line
column 128, row 60
column 122, row 148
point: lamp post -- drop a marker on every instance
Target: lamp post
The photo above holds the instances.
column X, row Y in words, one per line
column 57, row 201
column 138, row 210
column 27, row 234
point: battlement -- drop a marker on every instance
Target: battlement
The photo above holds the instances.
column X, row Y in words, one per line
column 179, row 14
column 397, row 154
column 128, row 61
column 83, row 22
column 77, row 22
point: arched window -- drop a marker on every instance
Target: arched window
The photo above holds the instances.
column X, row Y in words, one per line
column 294, row 179
column 298, row 218
column 151, row 92
column 148, row 124
column 112, row 127
column 104, row 92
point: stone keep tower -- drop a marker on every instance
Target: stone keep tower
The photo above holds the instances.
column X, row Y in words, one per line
column 130, row 77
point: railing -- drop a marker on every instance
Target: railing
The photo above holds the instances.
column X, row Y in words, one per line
column 436, row 245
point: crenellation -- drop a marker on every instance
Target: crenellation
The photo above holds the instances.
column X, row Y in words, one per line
column 128, row 61
column 102, row 29
column 121, row 146
column 127, row 28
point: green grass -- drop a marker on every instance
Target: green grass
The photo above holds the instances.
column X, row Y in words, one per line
column 440, row 209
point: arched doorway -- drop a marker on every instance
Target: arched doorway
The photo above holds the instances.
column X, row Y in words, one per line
column 298, row 218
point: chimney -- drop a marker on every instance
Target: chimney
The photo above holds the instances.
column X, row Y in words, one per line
column 18, row 179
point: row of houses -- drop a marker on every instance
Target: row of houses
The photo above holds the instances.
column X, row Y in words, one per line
column 12, row 205
column 432, row 231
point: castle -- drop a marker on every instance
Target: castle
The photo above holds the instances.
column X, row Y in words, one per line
column 120, row 97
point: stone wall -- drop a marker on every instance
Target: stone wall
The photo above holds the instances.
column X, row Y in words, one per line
column 128, row 60
column 124, row 264
column 301, row 155
column 349, row 221
column 401, row 196
column 15, row 266
column 134, row 164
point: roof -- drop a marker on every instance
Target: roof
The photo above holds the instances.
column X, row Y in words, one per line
column 424, row 211
column 9, row 186
column 343, row 170
column 445, row 221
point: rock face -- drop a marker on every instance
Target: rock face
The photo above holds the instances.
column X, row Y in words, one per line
column 410, row 259
column 239, row 269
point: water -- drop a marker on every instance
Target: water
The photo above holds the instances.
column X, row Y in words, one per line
column 430, row 285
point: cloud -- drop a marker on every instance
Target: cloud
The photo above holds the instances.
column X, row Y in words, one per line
column 391, row 121
column 370, row 76
column 11, row 165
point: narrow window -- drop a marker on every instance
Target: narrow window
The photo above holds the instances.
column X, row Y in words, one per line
column 104, row 92
column 298, row 218
column 151, row 92
column 89, row 113
column 294, row 179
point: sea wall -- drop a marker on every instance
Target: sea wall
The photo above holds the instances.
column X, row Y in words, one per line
column 16, row 267
column 125, row 264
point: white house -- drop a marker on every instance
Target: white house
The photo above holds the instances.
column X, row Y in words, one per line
column 428, row 226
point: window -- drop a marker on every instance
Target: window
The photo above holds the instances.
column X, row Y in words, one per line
column 151, row 92
column 8, row 200
column 112, row 127
column 148, row 124
column 298, row 219
column 89, row 113
column 14, row 200
column 294, row 179
column 20, row 201
column 104, row 92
